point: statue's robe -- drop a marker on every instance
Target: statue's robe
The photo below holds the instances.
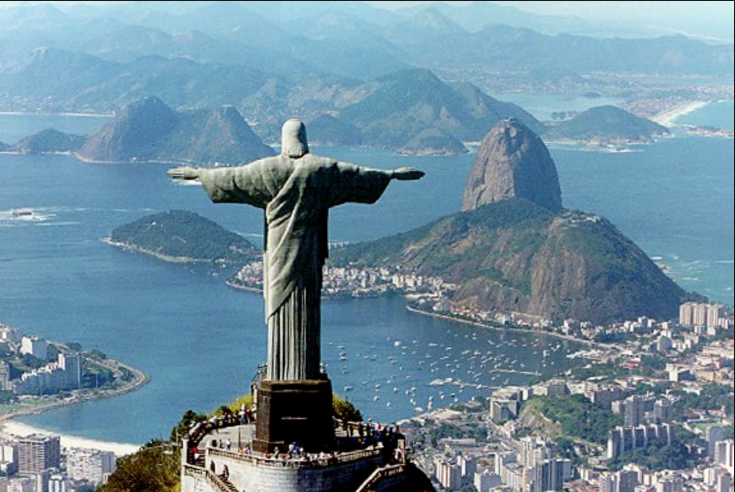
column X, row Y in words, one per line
column 296, row 195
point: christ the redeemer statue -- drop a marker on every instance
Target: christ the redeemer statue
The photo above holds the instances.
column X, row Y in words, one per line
column 296, row 189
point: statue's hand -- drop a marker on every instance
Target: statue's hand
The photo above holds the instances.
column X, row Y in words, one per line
column 407, row 174
column 187, row 173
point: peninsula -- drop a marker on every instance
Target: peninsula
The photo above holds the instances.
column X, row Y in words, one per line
column 39, row 375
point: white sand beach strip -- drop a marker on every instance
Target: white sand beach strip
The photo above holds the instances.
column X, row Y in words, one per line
column 668, row 118
column 19, row 429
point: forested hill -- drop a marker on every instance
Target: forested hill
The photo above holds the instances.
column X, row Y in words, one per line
column 182, row 236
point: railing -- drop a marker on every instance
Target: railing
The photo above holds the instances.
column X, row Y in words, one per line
column 215, row 481
column 381, row 474
column 205, row 428
column 219, row 483
column 295, row 463
column 194, row 471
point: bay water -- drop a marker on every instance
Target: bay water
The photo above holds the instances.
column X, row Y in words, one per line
column 201, row 341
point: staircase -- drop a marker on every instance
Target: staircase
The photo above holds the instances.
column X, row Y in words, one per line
column 369, row 485
column 215, row 481
column 219, row 484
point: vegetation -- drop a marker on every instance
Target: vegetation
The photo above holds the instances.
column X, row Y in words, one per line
column 565, row 449
column 344, row 409
column 75, row 346
column 653, row 365
column 607, row 123
column 96, row 376
column 47, row 141
column 98, row 354
column 182, row 234
column 447, row 430
column 246, row 401
column 713, row 397
column 504, row 253
column 155, row 467
column 409, row 102
column 606, row 371
column 185, row 424
column 30, row 361
column 483, row 222
column 578, row 417
column 7, row 397
column 148, row 130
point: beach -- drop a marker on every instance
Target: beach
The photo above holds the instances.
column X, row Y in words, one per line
column 19, row 429
column 668, row 118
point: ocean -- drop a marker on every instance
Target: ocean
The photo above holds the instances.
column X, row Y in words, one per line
column 201, row 341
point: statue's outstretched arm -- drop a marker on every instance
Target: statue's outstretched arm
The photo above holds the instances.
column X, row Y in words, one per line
column 407, row 174
column 186, row 173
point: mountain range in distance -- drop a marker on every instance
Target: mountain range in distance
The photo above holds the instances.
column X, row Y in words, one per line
column 410, row 112
column 148, row 130
column 273, row 63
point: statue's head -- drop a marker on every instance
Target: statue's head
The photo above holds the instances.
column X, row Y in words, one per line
column 293, row 139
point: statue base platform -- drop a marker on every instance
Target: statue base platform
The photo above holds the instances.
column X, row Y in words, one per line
column 294, row 412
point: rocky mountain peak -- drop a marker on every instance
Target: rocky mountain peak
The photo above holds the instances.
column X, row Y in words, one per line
column 513, row 162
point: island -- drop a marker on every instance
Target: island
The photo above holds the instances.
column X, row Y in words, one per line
column 48, row 141
column 605, row 126
column 179, row 236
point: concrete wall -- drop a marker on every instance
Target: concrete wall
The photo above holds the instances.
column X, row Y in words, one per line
column 194, row 484
column 260, row 477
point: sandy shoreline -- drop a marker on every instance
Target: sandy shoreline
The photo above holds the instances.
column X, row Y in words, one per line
column 503, row 328
column 668, row 118
column 19, row 429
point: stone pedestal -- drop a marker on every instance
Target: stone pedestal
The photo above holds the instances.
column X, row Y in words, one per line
column 294, row 411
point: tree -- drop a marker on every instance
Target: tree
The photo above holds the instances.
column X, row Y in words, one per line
column 52, row 353
column 187, row 421
column 344, row 409
column 152, row 469
column 244, row 401
column 32, row 361
column 75, row 346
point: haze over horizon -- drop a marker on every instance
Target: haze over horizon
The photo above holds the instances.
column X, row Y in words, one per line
column 710, row 20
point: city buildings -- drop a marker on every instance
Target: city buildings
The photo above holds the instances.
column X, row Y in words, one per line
column 625, row 439
column 37, row 453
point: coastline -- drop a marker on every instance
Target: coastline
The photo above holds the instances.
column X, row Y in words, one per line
column 19, row 429
column 9, row 427
column 503, row 328
column 668, row 117
column 166, row 258
column 238, row 286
